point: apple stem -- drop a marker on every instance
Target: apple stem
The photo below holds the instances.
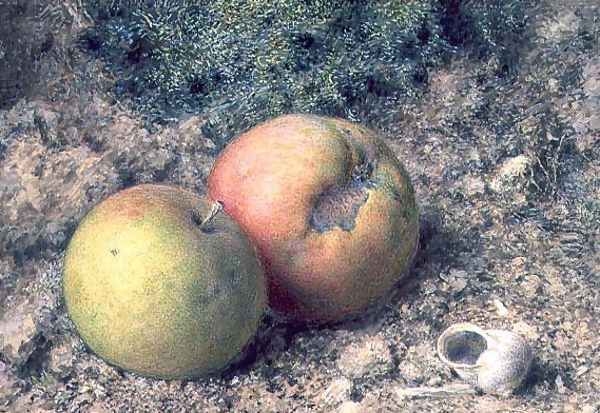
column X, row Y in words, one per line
column 216, row 207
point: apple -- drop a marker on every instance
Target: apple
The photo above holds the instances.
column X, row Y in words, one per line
column 155, row 290
column 330, row 208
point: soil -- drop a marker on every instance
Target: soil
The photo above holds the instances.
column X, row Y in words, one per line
column 506, row 168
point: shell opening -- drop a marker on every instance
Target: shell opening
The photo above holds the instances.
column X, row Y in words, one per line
column 464, row 347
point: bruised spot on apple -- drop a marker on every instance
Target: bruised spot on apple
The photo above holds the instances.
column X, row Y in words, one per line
column 338, row 206
column 330, row 208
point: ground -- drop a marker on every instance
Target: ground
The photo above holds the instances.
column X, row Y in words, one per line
column 506, row 168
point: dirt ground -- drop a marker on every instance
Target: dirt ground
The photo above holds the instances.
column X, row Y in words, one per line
column 507, row 175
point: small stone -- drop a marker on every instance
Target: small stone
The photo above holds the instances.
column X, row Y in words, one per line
column 457, row 280
column 368, row 356
column 435, row 381
column 190, row 132
column 7, row 383
column 526, row 330
column 98, row 407
column 413, row 367
column 17, row 333
column 591, row 76
column 531, row 285
column 559, row 26
column 500, row 307
column 560, row 386
column 350, row 407
column 589, row 408
column 410, row 371
column 337, row 392
column 474, row 185
column 514, row 167
column 510, row 173
column 594, row 123
column 61, row 360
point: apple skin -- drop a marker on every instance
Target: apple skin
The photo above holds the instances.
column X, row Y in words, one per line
column 330, row 208
column 151, row 292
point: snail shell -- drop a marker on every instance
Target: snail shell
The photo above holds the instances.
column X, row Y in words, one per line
column 495, row 361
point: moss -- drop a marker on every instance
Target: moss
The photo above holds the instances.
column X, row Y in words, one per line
column 240, row 62
column 22, row 40
column 486, row 28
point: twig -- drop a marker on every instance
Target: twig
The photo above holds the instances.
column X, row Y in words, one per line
column 439, row 392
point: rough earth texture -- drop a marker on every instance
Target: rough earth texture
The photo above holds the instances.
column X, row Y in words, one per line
column 507, row 173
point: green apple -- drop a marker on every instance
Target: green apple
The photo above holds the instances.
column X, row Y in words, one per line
column 153, row 291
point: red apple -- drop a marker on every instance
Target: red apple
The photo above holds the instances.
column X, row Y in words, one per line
column 330, row 208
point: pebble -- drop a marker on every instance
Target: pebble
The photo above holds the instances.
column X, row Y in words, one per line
column 338, row 391
column 7, row 382
column 370, row 356
column 350, row 407
column 17, row 333
column 60, row 361
column 509, row 173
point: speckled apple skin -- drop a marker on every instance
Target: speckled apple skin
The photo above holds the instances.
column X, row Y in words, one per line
column 269, row 180
column 150, row 292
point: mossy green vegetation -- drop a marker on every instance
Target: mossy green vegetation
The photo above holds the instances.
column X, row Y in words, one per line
column 239, row 62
